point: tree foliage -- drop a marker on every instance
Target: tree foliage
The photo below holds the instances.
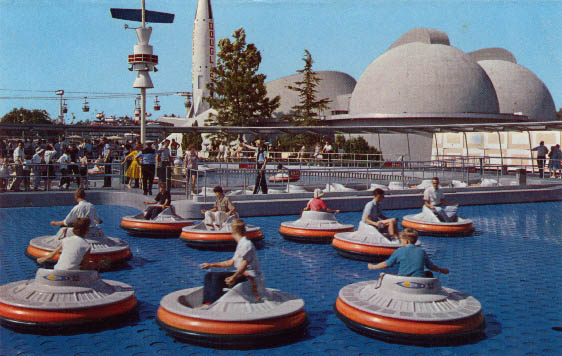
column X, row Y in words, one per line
column 355, row 145
column 25, row 116
column 291, row 142
column 191, row 138
column 306, row 113
column 238, row 92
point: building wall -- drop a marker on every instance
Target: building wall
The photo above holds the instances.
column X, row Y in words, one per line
column 393, row 146
column 515, row 146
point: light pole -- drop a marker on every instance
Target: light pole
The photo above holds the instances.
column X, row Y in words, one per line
column 60, row 93
column 142, row 60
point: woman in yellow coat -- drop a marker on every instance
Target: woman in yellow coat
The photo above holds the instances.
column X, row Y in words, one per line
column 134, row 170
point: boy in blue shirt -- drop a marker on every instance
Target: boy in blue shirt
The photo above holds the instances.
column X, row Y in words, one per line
column 411, row 258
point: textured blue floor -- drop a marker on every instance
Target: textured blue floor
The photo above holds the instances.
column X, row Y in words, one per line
column 512, row 265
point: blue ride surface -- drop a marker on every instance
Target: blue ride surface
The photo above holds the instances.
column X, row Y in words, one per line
column 512, row 265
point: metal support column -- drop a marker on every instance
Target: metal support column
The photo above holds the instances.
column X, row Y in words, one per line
column 436, row 146
column 501, row 150
column 143, row 116
column 408, row 140
column 465, row 143
column 531, row 152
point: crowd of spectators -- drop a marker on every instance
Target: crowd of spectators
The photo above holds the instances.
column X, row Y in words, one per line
column 42, row 164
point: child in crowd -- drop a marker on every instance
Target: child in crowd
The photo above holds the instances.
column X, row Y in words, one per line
column 411, row 258
column 4, row 173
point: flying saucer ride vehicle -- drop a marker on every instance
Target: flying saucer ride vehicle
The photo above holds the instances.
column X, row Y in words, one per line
column 365, row 244
column 166, row 224
column 235, row 319
column 59, row 299
column 427, row 223
column 105, row 252
column 204, row 237
column 313, row 227
column 410, row 310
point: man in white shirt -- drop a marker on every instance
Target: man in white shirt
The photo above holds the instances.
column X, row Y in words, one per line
column 222, row 151
column 82, row 209
column 73, row 249
column 63, row 161
column 328, row 150
column 245, row 260
column 433, row 199
column 107, row 159
column 38, row 168
column 18, row 155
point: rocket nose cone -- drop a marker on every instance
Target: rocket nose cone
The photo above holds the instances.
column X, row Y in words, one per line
column 204, row 10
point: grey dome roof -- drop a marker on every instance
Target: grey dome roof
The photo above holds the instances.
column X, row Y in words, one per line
column 424, row 78
column 520, row 90
column 332, row 85
column 501, row 54
column 423, row 35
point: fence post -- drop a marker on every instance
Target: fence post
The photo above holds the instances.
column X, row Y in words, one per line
column 205, row 187
column 186, row 172
column 402, row 165
column 245, row 177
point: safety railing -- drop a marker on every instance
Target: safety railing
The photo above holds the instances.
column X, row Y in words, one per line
column 42, row 176
column 304, row 159
column 242, row 175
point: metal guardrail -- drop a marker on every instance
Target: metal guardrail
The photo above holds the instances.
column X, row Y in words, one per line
column 14, row 175
column 243, row 177
column 408, row 172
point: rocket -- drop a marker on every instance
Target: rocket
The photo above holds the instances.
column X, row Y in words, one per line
column 203, row 56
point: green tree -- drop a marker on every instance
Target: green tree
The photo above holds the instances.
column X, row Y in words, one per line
column 191, row 138
column 559, row 114
column 307, row 111
column 355, row 145
column 238, row 92
column 25, row 116
column 292, row 142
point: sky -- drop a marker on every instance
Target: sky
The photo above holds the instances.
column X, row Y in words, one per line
column 76, row 46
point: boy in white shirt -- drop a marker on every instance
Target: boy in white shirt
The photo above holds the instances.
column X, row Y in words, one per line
column 245, row 260
column 73, row 249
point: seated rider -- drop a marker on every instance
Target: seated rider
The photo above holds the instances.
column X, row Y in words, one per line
column 411, row 258
column 245, row 260
column 82, row 209
column 221, row 211
column 162, row 201
column 433, row 199
column 372, row 215
column 317, row 204
column 75, row 249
